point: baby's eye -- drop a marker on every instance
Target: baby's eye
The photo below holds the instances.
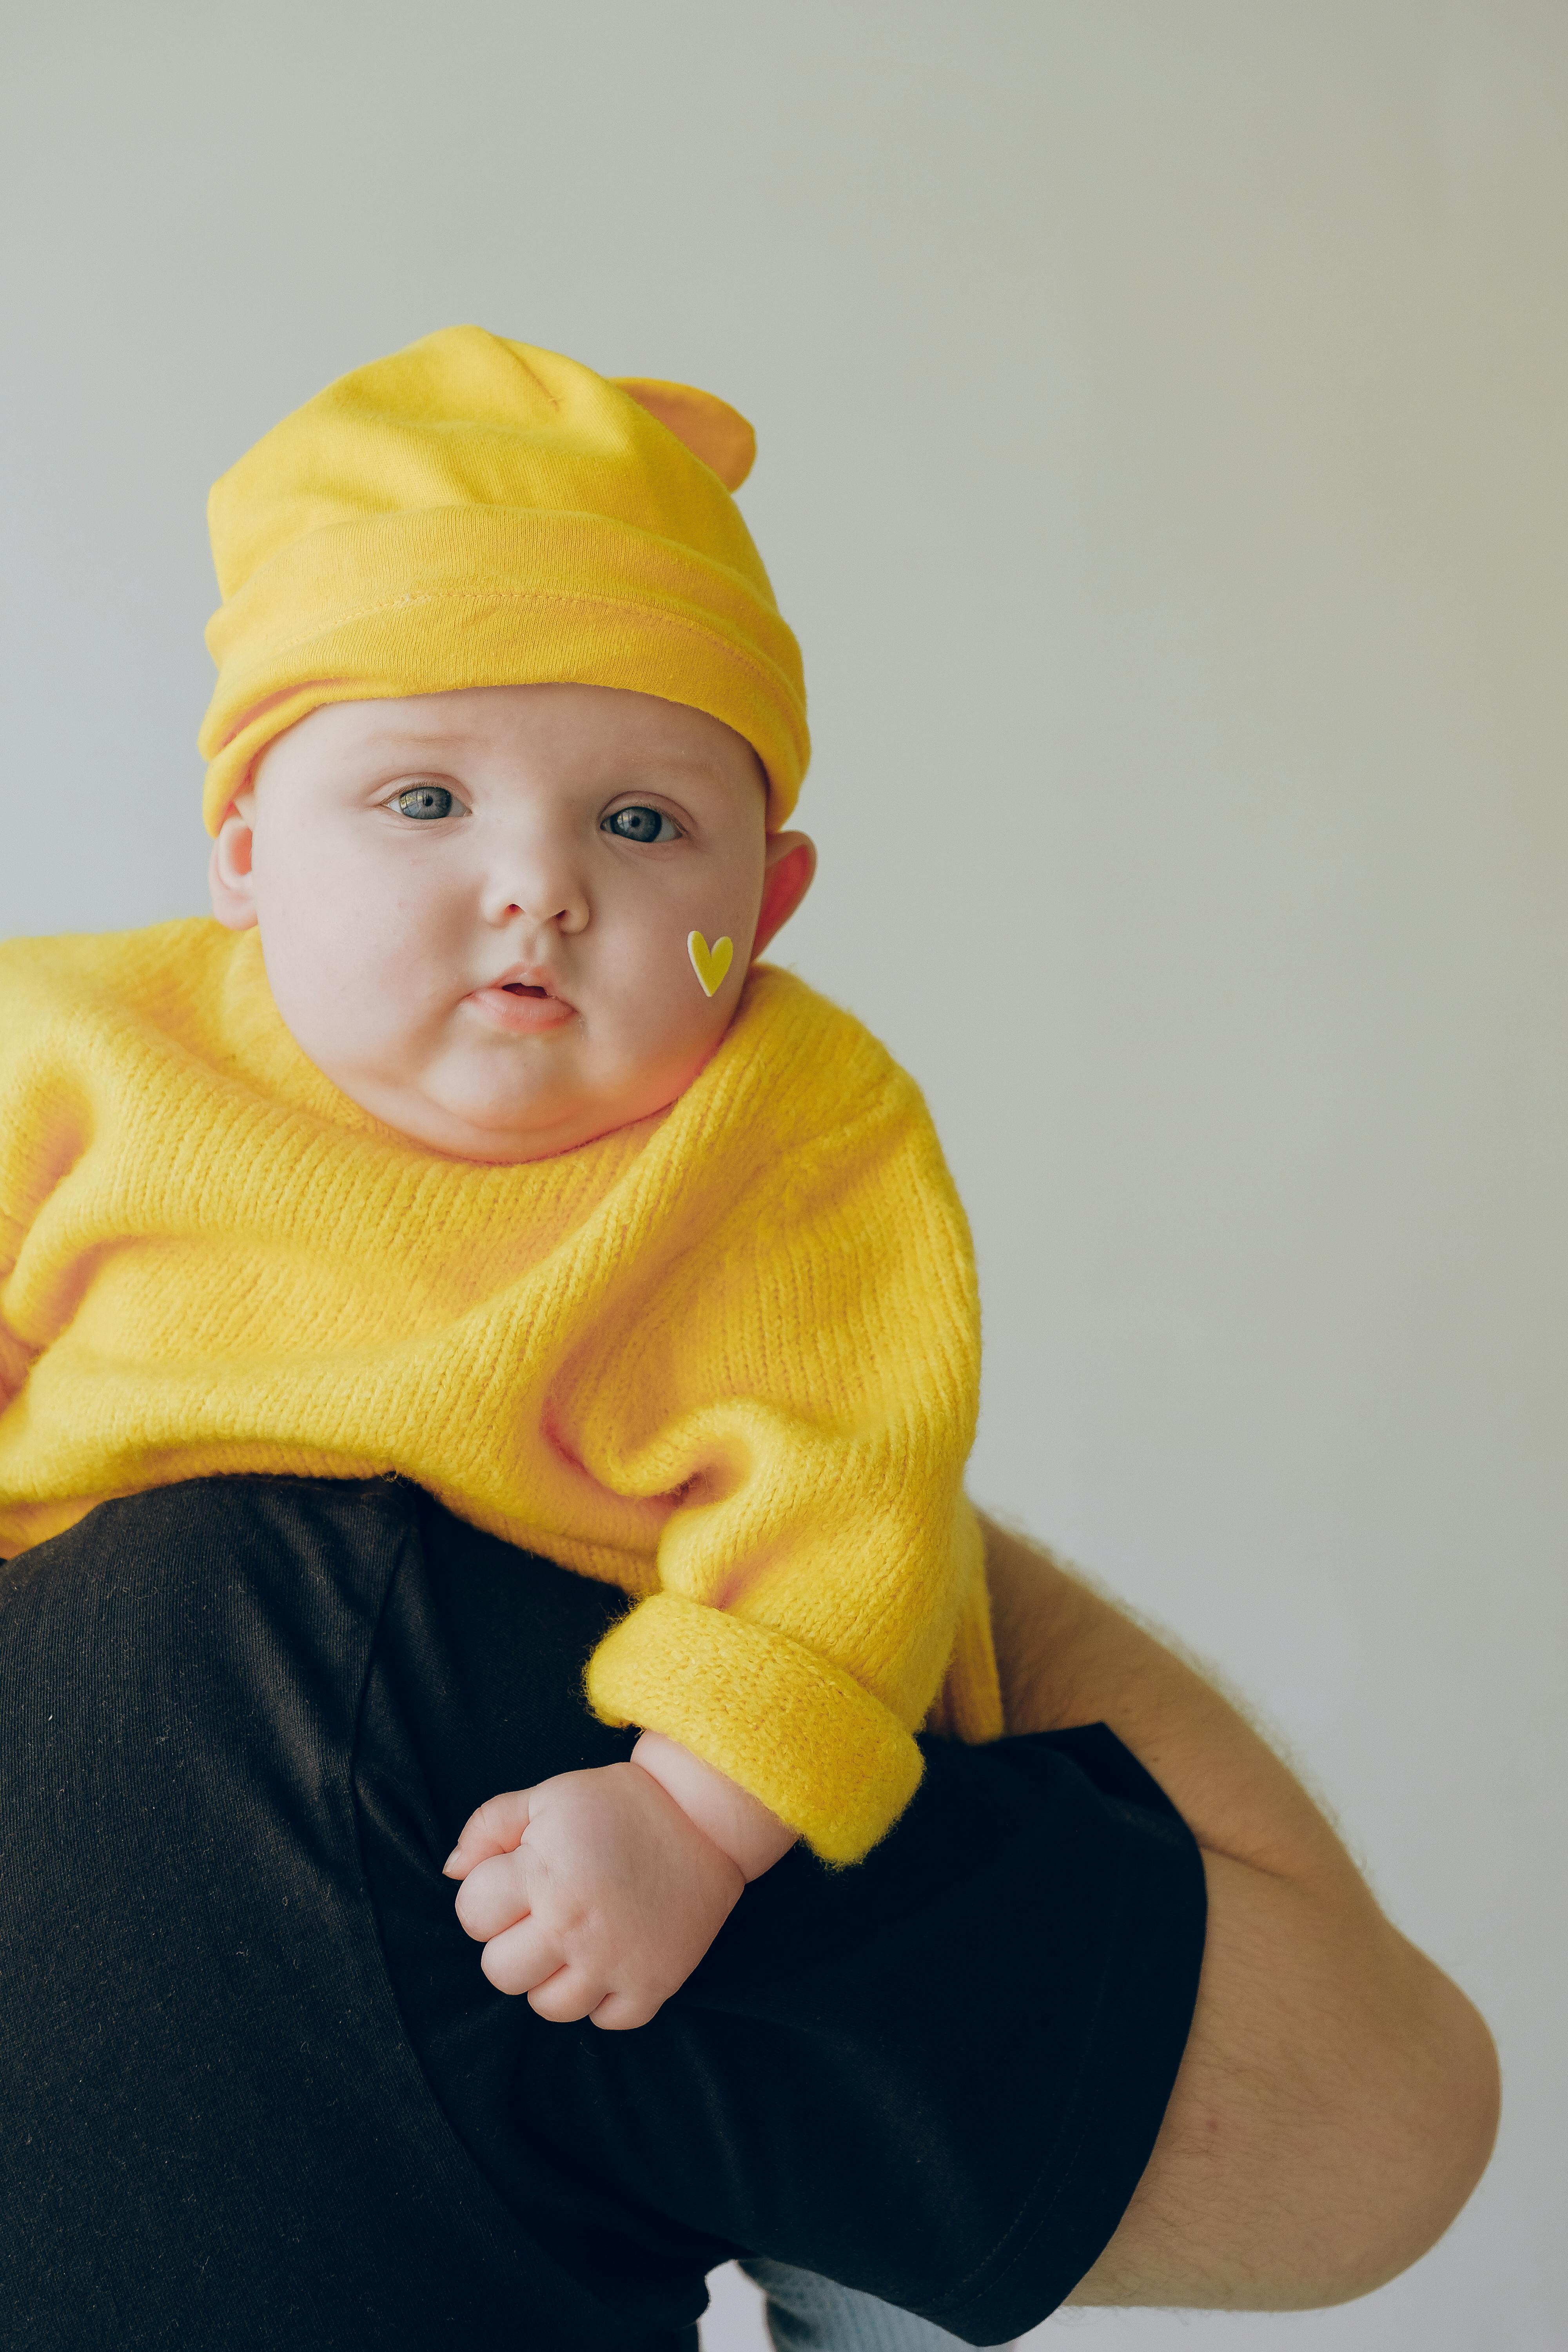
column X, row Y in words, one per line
column 641, row 824
column 424, row 800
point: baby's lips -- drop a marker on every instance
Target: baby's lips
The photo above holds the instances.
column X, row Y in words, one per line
column 531, row 1013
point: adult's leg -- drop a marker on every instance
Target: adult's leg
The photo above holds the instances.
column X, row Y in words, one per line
column 245, row 1720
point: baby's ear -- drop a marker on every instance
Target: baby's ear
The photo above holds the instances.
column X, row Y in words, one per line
column 787, row 879
column 230, row 877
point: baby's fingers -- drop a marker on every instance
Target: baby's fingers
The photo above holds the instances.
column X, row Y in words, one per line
column 496, row 1828
column 566, row 1996
column 523, row 1956
column 619, row 2012
column 494, row 1895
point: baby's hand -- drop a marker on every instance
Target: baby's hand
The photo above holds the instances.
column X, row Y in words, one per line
column 595, row 1894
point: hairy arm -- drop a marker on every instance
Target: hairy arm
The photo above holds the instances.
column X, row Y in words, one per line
column 1338, row 2098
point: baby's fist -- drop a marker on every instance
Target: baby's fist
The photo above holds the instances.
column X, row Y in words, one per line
column 592, row 1893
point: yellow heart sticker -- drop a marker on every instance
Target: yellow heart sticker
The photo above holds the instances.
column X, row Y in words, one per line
column 709, row 964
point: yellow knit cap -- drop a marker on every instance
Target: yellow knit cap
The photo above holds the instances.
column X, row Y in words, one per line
column 478, row 512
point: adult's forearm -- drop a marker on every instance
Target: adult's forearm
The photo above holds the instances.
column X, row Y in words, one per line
column 1338, row 2098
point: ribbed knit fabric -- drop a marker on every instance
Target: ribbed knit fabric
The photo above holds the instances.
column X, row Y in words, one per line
column 726, row 1359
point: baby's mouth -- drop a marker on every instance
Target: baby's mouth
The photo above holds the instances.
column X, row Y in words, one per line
column 526, row 1007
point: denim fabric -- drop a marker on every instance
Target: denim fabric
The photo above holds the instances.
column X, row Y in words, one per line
column 808, row 2314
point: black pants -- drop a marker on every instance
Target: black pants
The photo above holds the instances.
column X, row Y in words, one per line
column 254, row 2092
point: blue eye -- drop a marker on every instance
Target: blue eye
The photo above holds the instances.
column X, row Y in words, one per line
column 424, row 800
column 641, row 824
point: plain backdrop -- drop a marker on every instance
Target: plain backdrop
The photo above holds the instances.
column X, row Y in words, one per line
column 1162, row 460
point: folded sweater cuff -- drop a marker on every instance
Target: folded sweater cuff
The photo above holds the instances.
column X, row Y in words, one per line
column 793, row 1728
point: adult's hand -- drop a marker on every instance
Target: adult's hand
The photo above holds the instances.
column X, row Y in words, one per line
column 1337, row 2099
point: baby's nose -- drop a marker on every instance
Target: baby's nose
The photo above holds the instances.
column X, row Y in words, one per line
column 538, row 885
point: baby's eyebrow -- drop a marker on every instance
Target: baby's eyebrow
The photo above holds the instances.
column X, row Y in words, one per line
column 399, row 739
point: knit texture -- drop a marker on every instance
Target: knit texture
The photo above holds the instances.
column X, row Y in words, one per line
column 473, row 511
column 726, row 1359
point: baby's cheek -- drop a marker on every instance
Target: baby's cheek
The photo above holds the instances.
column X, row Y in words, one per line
column 675, row 1000
column 661, row 1053
column 353, row 970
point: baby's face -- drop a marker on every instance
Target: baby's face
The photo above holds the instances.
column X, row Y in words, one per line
column 474, row 907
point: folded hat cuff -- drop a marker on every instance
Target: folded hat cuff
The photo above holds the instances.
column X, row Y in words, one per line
column 425, row 602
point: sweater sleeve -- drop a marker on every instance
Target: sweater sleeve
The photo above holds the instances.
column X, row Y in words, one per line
column 43, row 1123
column 820, row 1574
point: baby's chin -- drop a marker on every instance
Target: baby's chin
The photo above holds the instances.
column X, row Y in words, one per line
column 487, row 1124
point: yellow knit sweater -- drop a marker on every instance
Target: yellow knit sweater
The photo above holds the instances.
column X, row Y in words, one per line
column 726, row 1358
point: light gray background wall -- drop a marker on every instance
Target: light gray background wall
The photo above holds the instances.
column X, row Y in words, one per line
column 1162, row 460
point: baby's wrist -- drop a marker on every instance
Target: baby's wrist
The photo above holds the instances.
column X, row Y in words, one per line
column 738, row 1823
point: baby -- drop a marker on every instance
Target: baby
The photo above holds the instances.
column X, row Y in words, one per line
column 470, row 1143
